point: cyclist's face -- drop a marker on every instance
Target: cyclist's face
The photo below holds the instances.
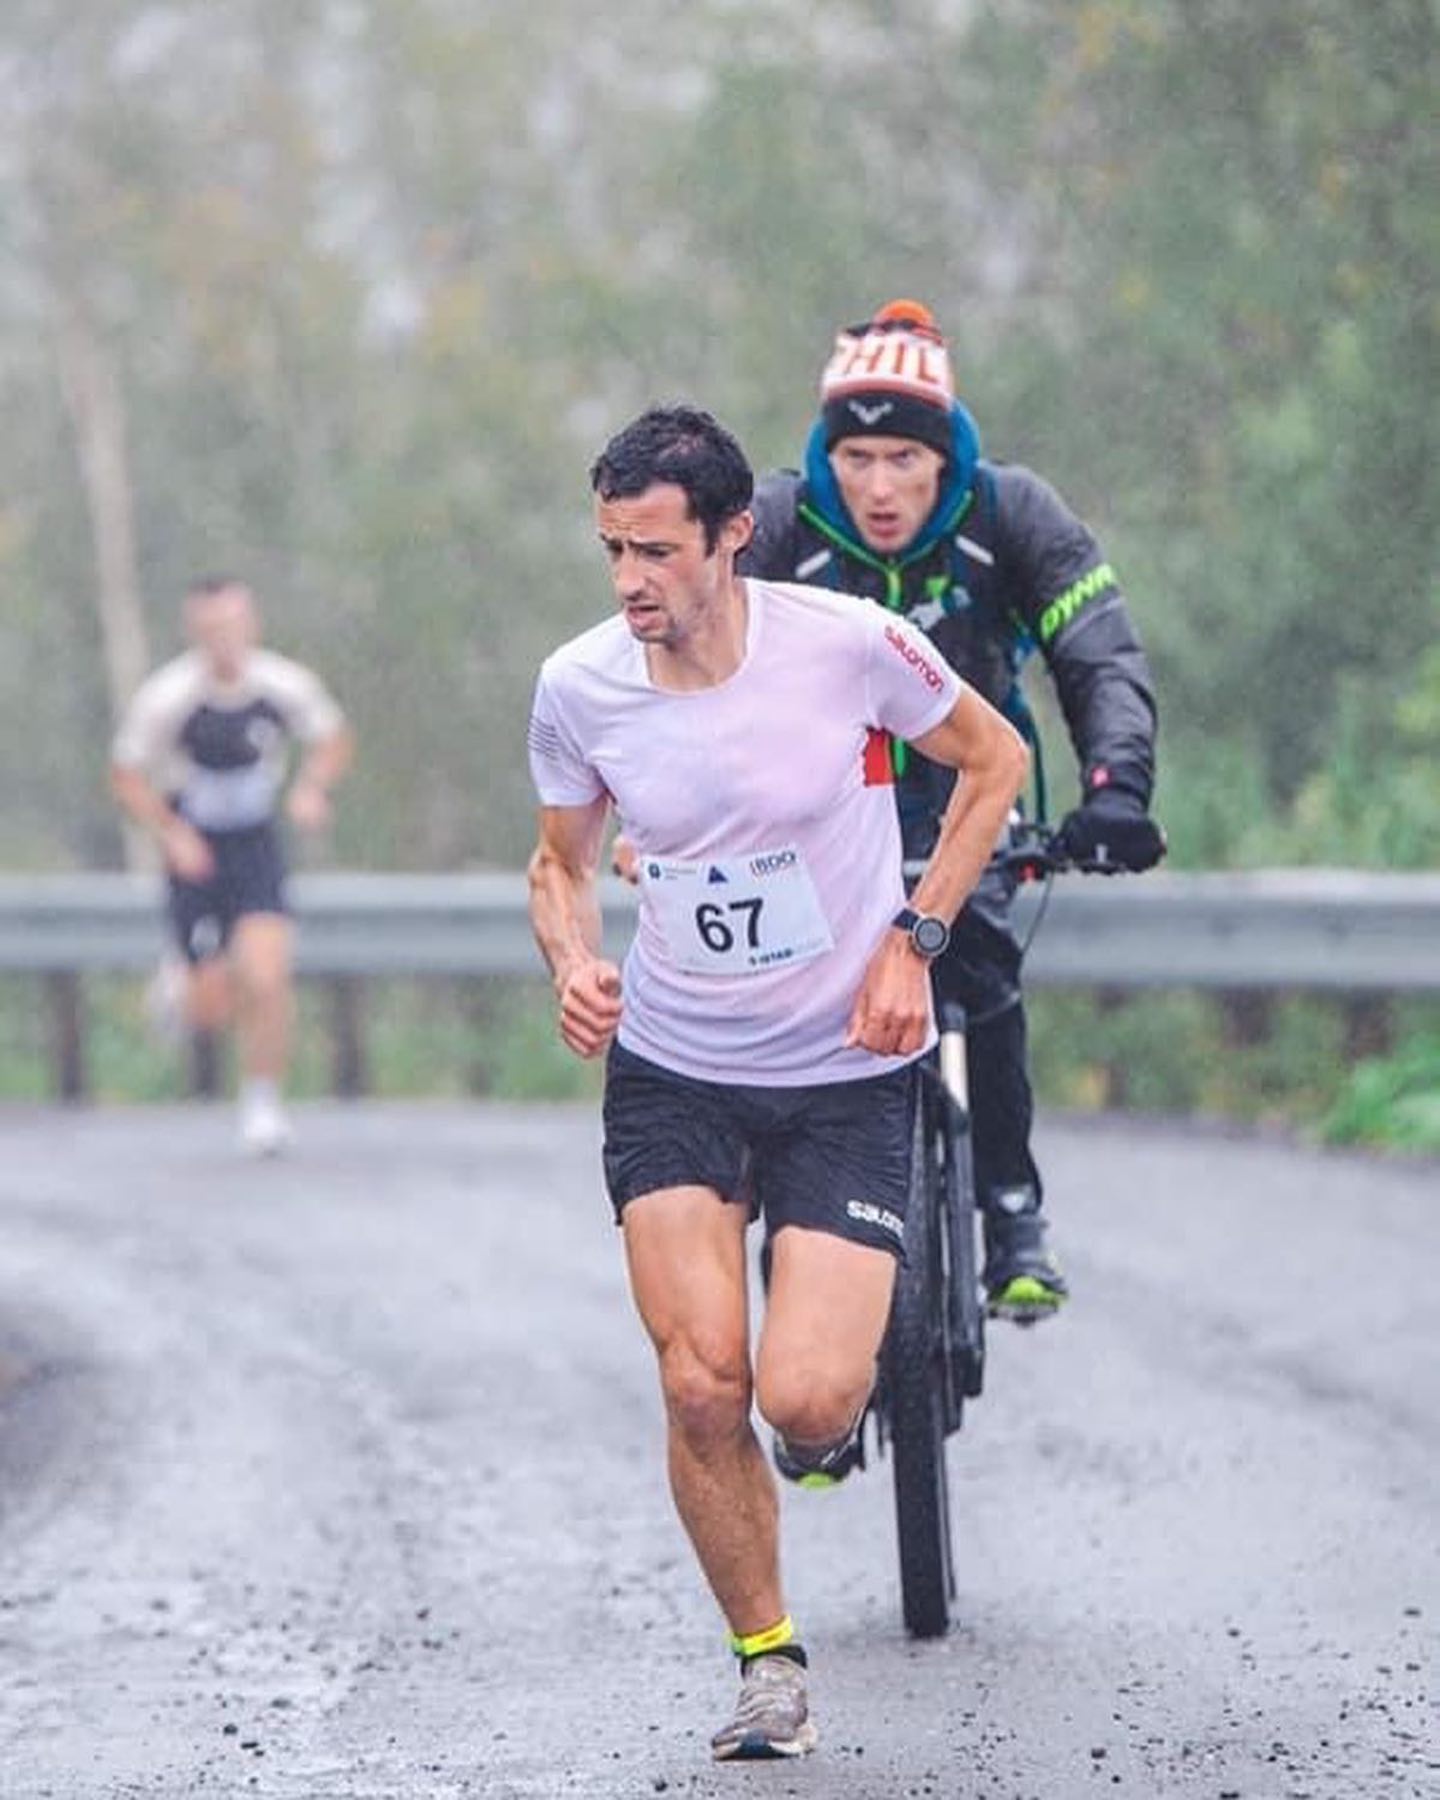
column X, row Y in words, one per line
column 668, row 584
column 224, row 627
column 890, row 485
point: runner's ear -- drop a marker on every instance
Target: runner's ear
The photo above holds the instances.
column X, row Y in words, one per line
column 737, row 532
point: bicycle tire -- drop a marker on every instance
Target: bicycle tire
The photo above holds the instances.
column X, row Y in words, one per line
column 915, row 1376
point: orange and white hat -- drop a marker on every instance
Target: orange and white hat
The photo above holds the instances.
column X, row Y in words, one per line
column 890, row 377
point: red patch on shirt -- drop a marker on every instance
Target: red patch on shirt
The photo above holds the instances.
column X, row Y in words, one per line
column 878, row 763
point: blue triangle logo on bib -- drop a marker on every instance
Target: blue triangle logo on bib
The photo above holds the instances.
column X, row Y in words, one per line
column 716, row 875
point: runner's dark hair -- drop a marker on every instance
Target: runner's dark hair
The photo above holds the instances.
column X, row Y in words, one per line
column 205, row 587
column 683, row 446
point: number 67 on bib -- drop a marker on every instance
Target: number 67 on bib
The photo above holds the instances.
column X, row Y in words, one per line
column 737, row 915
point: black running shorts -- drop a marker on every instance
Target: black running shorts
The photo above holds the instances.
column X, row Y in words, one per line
column 834, row 1157
column 249, row 878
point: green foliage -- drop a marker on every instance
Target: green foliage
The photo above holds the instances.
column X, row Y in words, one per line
column 1376, row 802
column 1158, row 1049
column 1245, row 212
column 1184, row 1054
column 23, row 1048
column 527, row 1060
column 1174, row 1053
column 123, row 1058
column 1393, row 1101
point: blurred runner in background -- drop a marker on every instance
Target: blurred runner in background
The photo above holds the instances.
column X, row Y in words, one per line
column 200, row 762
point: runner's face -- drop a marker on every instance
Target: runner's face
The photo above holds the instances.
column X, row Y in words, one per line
column 890, row 485
column 224, row 627
column 668, row 584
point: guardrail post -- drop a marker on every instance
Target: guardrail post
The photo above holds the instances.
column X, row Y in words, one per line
column 1108, row 1002
column 1247, row 1017
column 347, row 1033
column 1369, row 1027
column 66, row 1007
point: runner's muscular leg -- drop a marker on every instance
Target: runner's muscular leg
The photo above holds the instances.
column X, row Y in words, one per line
column 208, row 998
column 260, row 957
column 825, row 1315
column 686, row 1252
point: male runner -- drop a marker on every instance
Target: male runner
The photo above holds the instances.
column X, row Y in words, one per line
column 200, row 761
column 761, row 1040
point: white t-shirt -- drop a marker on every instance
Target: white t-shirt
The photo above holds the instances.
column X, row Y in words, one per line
column 764, row 817
column 217, row 750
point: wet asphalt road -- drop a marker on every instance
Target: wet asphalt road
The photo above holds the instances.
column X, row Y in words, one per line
column 341, row 1477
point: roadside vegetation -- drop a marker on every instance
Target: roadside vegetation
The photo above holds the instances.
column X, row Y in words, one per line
column 1289, row 1064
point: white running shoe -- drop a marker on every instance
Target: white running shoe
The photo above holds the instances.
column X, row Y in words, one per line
column 772, row 1715
column 264, row 1128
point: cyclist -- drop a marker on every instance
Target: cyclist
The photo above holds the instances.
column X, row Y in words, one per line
column 761, row 1040
column 896, row 502
column 199, row 761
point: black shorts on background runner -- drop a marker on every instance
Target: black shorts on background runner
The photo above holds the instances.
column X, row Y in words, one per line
column 249, row 878
column 834, row 1156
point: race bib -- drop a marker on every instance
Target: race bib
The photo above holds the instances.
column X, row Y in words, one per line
column 737, row 915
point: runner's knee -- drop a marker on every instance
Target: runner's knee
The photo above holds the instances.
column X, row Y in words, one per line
column 811, row 1405
column 707, row 1392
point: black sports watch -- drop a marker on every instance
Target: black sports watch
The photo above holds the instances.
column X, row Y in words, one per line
column 928, row 934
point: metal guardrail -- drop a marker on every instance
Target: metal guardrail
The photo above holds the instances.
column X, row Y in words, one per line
column 1336, row 930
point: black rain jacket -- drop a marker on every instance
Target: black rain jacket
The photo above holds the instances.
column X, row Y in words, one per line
column 1002, row 567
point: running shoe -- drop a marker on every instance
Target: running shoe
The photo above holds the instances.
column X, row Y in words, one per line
column 772, row 1716
column 1022, row 1280
column 823, row 1468
column 264, row 1128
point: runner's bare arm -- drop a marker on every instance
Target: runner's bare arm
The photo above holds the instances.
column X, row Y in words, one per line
column 565, row 917
column 892, row 1009
column 325, row 761
column 183, row 848
column 993, row 761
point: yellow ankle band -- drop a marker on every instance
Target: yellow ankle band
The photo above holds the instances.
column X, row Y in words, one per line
column 758, row 1642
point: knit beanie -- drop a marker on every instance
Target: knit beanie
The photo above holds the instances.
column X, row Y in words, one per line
column 890, row 377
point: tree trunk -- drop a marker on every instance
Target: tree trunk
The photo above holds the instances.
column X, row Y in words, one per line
column 96, row 406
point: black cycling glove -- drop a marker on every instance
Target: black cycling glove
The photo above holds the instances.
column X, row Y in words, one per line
column 1111, row 826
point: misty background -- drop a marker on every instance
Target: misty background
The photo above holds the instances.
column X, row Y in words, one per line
column 343, row 295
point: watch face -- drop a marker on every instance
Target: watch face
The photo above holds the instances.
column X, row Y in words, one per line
column 931, row 936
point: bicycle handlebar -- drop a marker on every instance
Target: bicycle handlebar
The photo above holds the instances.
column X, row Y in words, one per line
column 1032, row 852
column 1035, row 851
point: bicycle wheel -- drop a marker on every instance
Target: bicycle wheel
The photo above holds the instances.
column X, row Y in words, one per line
column 914, row 1375
column 965, row 1336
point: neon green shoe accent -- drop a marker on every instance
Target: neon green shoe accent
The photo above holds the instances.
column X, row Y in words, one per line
column 817, row 1479
column 1025, row 1299
column 1026, row 1290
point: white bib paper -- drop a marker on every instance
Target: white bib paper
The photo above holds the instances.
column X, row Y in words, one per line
column 737, row 915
